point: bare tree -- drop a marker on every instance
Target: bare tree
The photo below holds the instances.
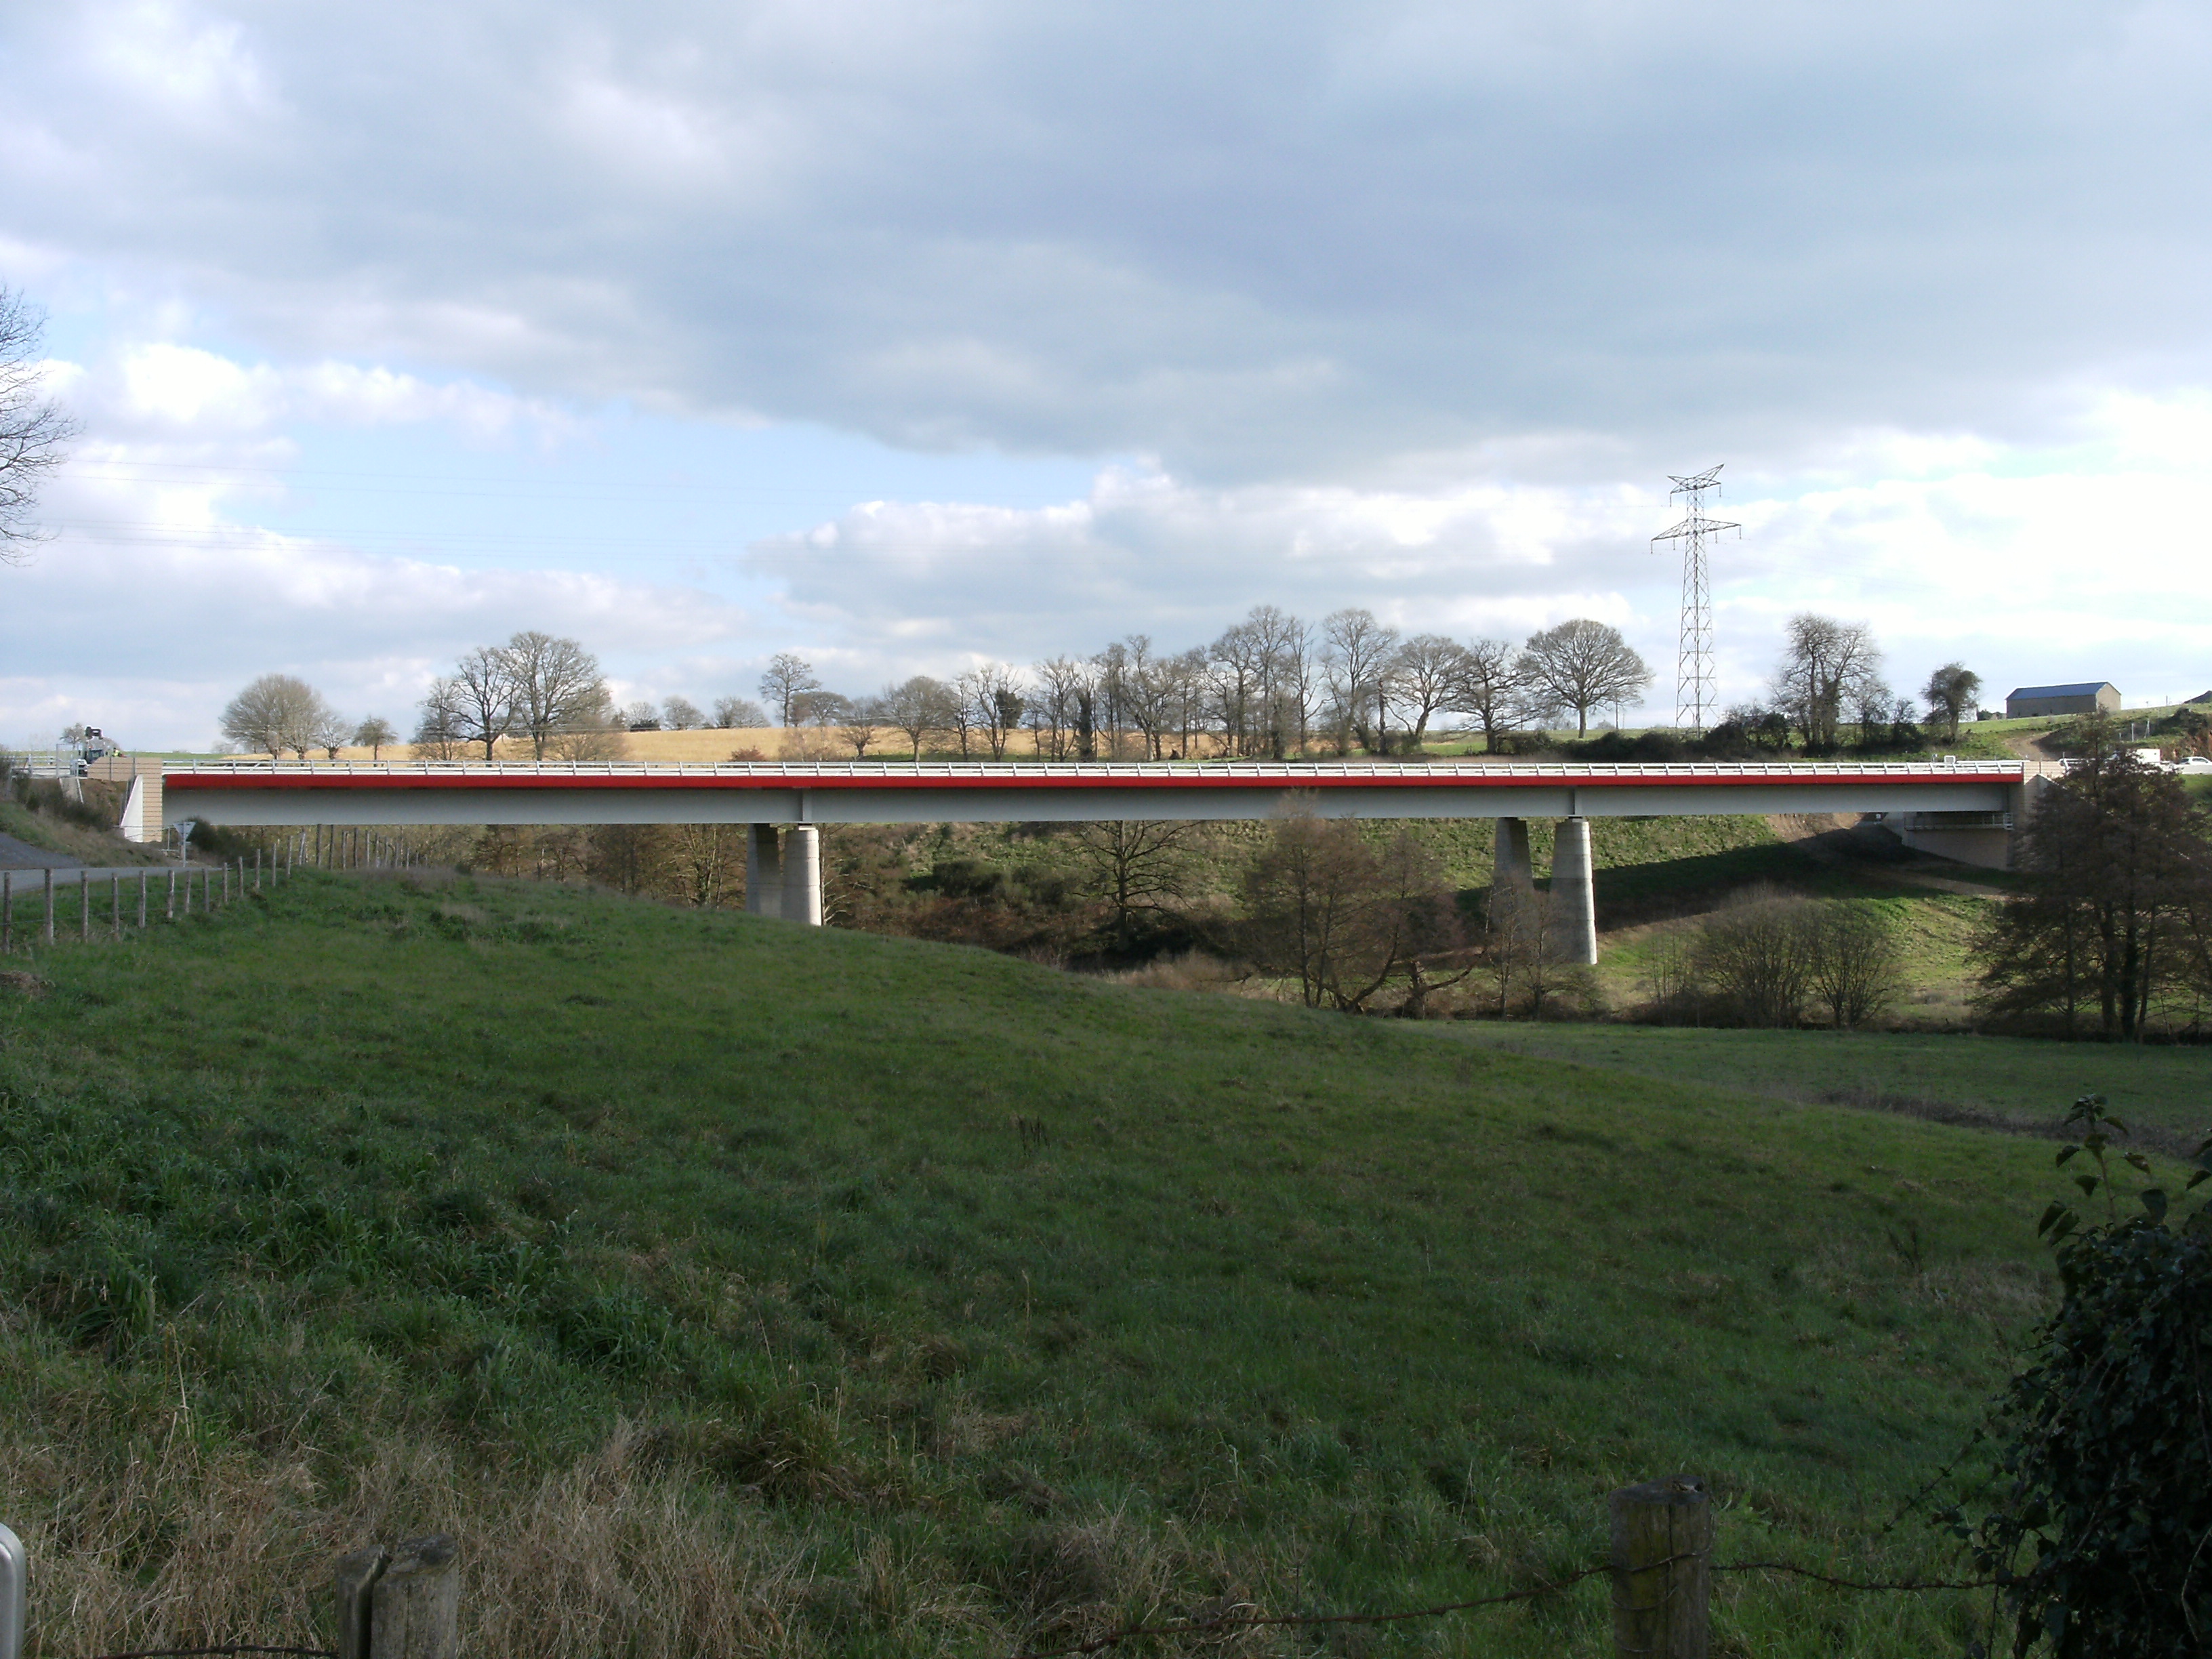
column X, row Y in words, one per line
column 1951, row 690
column 438, row 728
column 1428, row 671
column 1062, row 684
column 1138, row 867
column 1756, row 954
column 862, row 725
column 787, row 678
column 1825, row 667
column 279, row 713
column 732, row 714
column 1584, row 665
column 1286, row 679
column 33, row 429
column 915, row 708
column 331, row 732
column 1875, row 705
column 372, row 734
column 485, row 696
column 554, row 685
column 1490, row 688
column 680, row 714
column 963, row 697
column 997, row 690
column 1851, row 961
column 1346, row 918
column 592, row 730
column 1238, row 665
column 1359, row 661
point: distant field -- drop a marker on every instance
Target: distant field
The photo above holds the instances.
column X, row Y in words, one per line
column 741, row 1288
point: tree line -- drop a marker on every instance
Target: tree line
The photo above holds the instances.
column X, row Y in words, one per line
column 1272, row 686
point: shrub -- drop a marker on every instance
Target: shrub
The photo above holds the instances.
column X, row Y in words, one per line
column 1755, row 954
column 1851, row 962
column 2109, row 1463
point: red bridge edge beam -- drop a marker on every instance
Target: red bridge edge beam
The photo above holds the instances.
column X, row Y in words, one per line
column 1335, row 778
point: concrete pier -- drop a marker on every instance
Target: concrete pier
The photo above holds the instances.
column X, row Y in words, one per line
column 764, row 870
column 802, row 875
column 1574, row 896
column 1509, row 865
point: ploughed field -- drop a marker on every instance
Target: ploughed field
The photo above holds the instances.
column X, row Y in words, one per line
column 730, row 1287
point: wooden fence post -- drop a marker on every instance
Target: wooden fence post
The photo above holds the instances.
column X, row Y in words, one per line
column 356, row 1577
column 84, row 907
column 145, row 878
column 7, row 912
column 115, row 906
column 50, row 905
column 415, row 1607
column 1663, row 1579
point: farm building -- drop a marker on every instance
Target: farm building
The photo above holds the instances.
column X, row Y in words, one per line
column 2089, row 697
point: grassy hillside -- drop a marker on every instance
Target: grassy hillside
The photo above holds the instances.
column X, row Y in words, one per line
column 38, row 814
column 728, row 1286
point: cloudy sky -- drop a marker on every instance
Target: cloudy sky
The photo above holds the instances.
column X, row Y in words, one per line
column 906, row 335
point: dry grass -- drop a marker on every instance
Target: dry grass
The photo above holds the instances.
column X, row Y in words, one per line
column 189, row 1547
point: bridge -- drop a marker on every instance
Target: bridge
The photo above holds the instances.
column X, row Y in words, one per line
column 1961, row 809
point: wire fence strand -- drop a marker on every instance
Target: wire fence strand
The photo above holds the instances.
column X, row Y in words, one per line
column 1233, row 1621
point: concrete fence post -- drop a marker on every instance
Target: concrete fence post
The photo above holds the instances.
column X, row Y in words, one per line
column 1663, row 1577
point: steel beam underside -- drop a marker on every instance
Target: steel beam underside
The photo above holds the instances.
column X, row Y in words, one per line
column 246, row 805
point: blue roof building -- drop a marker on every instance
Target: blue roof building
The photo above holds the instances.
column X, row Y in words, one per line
column 2089, row 697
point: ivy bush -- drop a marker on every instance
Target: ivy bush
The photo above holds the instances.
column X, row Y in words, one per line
column 2102, row 1537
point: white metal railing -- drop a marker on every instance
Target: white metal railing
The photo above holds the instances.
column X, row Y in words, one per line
column 1033, row 772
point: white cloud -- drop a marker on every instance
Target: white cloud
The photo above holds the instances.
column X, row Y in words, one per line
column 1971, row 551
column 1410, row 304
column 162, row 389
column 1276, row 242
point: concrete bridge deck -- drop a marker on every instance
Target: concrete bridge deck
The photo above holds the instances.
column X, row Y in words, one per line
column 902, row 791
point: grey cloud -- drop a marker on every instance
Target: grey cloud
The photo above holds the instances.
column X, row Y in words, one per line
column 1257, row 241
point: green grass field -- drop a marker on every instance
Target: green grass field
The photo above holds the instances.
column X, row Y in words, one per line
column 730, row 1287
column 2019, row 1080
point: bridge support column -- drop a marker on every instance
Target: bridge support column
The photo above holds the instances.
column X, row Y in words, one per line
column 1508, row 862
column 1574, row 896
column 763, row 871
column 802, row 875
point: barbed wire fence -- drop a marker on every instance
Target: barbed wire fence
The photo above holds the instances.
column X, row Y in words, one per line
column 403, row 1602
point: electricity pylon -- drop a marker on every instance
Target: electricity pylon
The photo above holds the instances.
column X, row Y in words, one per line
column 1693, row 658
